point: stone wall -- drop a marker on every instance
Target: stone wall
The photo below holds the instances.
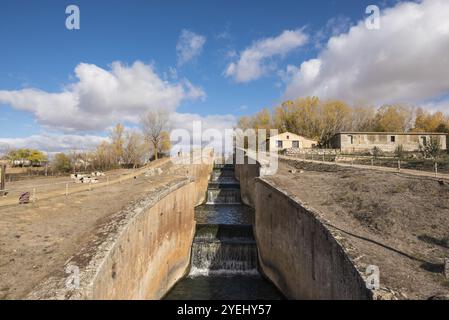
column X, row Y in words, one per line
column 298, row 253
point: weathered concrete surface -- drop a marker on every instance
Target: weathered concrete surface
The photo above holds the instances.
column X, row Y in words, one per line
column 141, row 251
column 201, row 174
column 199, row 168
column 246, row 175
column 298, row 253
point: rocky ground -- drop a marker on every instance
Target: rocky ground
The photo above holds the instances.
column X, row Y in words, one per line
column 397, row 222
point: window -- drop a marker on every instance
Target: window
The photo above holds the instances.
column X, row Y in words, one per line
column 424, row 141
column 295, row 144
column 288, row 137
column 279, row 143
column 351, row 138
column 393, row 139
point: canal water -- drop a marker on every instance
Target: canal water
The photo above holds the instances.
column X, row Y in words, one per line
column 224, row 262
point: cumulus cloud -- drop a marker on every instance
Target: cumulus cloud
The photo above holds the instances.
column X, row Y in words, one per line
column 102, row 97
column 52, row 143
column 208, row 124
column 219, row 122
column 252, row 62
column 189, row 46
column 405, row 61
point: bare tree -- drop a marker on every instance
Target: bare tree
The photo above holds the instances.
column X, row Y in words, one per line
column 153, row 125
column 5, row 149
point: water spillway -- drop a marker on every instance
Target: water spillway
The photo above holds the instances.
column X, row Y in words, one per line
column 224, row 259
column 223, row 250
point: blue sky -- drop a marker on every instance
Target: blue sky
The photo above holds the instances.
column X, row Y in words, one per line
column 39, row 52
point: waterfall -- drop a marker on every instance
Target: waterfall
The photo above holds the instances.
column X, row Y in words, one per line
column 223, row 250
column 223, row 196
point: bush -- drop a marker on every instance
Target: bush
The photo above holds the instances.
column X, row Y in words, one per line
column 376, row 152
column 61, row 163
column 431, row 149
column 399, row 152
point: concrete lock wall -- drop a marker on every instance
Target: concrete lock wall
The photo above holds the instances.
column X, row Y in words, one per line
column 142, row 251
column 296, row 250
column 298, row 253
column 152, row 253
column 246, row 175
column 201, row 174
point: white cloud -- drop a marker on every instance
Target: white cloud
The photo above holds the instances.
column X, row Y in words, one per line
column 334, row 26
column 216, row 122
column 102, row 97
column 52, row 143
column 219, row 122
column 252, row 62
column 189, row 46
column 405, row 61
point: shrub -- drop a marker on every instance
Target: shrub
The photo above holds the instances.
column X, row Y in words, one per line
column 399, row 152
column 376, row 152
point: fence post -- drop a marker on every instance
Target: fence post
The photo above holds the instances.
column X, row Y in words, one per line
column 3, row 176
column 436, row 169
column 372, row 162
column 446, row 268
column 399, row 165
column 66, row 189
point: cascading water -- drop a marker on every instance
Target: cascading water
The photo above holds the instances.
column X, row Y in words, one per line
column 224, row 251
column 223, row 196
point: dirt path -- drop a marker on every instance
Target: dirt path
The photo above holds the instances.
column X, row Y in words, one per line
column 37, row 239
column 397, row 222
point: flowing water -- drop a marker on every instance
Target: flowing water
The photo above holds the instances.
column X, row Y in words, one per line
column 224, row 251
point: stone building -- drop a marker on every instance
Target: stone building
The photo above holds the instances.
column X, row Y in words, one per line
column 288, row 140
column 386, row 141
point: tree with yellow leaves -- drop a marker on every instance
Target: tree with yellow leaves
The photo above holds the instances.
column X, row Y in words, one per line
column 393, row 118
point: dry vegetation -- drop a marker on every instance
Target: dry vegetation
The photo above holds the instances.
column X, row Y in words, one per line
column 397, row 222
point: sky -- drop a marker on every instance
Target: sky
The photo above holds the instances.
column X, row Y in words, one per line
column 208, row 61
